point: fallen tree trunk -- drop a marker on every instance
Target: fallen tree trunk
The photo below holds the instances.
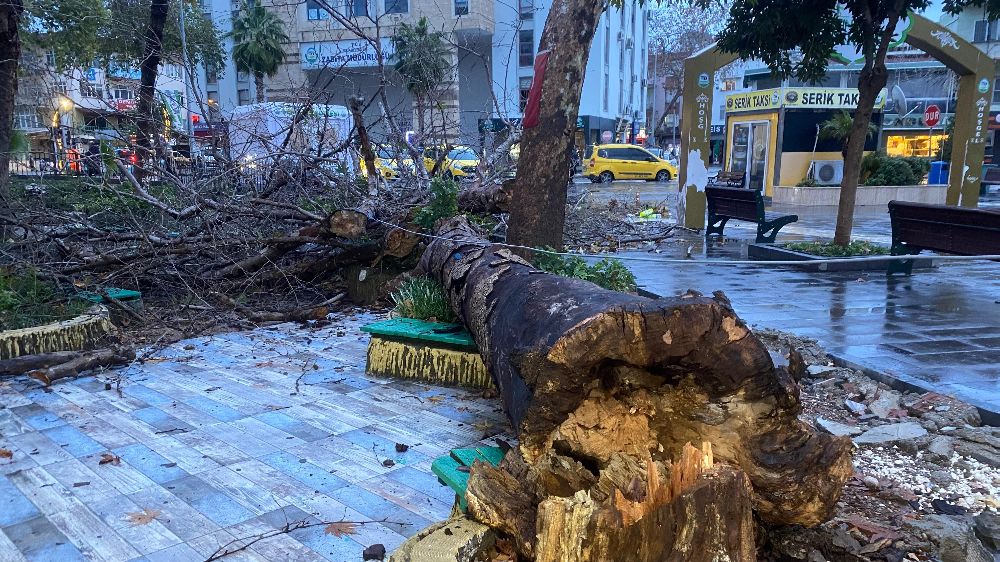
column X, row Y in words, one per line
column 588, row 376
column 25, row 363
column 483, row 199
column 81, row 362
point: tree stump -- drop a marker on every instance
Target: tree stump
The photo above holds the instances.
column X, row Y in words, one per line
column 598, row 383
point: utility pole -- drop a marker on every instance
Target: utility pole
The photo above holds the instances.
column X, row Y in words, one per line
column 187, row 81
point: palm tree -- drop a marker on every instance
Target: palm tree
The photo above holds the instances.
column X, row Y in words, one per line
column 257, row 39
column 838, row 128
column 422, row 59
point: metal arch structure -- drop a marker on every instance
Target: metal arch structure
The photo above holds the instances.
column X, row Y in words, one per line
column 975, row 70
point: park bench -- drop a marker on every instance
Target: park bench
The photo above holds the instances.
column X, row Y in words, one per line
column 728, row 179
column 726, row 203
column 941, row 228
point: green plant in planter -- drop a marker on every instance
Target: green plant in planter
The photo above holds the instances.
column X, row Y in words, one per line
column 829, row 249
column 443, row 202
column 608, row 273
column 892, row 171
column 423, row 299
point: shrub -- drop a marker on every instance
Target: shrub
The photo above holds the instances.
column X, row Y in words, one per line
column 423, row 299
column 608, row 273
column 443, row 202
column 920, row 165
column 829, row 249
column 807, row 182
column 26, row 300
column 892, row 171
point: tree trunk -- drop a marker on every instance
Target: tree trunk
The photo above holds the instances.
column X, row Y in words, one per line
column 589, row 377
column 538, row 209
column 148, row 123
column 10, row 54
column 356, row 104
column 258, row 81
column 870, row 82
column 486, row 199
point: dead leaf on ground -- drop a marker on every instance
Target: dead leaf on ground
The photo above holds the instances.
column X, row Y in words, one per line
column 6, row 454
column 341, row 528
column 483, row 426
column 435, row 399
column 144, row 517
column 108, row 458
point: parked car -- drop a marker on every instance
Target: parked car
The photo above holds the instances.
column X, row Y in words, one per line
column 608, row 162
column 459, row 162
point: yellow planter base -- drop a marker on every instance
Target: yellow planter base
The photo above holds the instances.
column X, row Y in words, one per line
column 426, row 363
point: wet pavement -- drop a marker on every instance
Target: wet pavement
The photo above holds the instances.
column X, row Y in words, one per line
column 216, row 441
column 938, row 329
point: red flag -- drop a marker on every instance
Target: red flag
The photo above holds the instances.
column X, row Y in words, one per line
column 533, row 107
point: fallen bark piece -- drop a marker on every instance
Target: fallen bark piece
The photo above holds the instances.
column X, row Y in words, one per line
column 486, row 199
column 83, row 362
column 593, row 375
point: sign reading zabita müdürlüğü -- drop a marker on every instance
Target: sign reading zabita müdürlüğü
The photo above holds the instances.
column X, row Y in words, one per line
column 803, row 98
column 349, row 53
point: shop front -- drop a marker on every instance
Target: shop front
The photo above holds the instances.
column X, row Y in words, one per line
column 773, row 135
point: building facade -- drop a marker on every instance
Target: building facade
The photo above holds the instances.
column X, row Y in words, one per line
column 973, row 25
column 491, row 46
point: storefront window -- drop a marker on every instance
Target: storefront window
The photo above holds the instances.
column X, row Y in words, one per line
column 915, row 145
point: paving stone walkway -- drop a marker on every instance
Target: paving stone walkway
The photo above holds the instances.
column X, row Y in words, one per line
column 938, row 329
column 224, row 438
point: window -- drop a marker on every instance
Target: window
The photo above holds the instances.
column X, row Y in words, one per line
column 607, row 43
column 211, row 74
column 524, row 86
column 635, row 154
column 996, row 91
column 397, row 6
column 526, row 47
column 89, row 90
column 607, row 80
column 242, row 76
column 50, row 58
column 359, row 8
column 728, row 85
column 986, row 31
column 315, row 12
column 526, row 9
column 621, row 95
column 461, row 7
column 120, row 93
column 27, row 118
column 243, row 96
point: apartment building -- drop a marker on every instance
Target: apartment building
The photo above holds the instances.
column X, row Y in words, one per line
column 613, row 101
column 492, row 45
column 75, row 106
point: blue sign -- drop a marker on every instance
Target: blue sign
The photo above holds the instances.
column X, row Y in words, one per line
column 92, row 74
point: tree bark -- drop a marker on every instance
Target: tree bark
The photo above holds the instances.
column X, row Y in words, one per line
column 258, row 81
column 538, row 208
column 147, row 122
column 490, row 198
column 10, row 54
column 587, row 375
column 356, row 104
column 872, row 79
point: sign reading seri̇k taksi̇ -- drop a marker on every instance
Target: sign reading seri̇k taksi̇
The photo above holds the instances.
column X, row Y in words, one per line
column 797, row 98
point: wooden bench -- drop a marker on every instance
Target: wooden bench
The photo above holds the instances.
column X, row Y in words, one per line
column 728, row 179
column 941, row 228
column 726, row 203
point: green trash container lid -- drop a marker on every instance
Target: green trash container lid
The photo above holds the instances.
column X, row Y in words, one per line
column 113, row 293
column 408, row 328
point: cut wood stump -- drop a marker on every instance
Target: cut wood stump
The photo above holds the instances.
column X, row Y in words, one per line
column 599, row 384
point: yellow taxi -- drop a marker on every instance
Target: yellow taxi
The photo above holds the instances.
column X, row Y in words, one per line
column 609, row 162
column 459, row 162
column 386, row 164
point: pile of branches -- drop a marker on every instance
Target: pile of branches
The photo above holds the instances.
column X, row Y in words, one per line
column 228, row 245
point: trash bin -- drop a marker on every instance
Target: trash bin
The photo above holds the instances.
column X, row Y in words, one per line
column 939, row 173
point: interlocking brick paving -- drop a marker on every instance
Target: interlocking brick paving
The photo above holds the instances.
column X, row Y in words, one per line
column 228, row 437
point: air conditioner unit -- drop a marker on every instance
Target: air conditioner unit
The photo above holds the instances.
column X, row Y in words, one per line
column 828, row 172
